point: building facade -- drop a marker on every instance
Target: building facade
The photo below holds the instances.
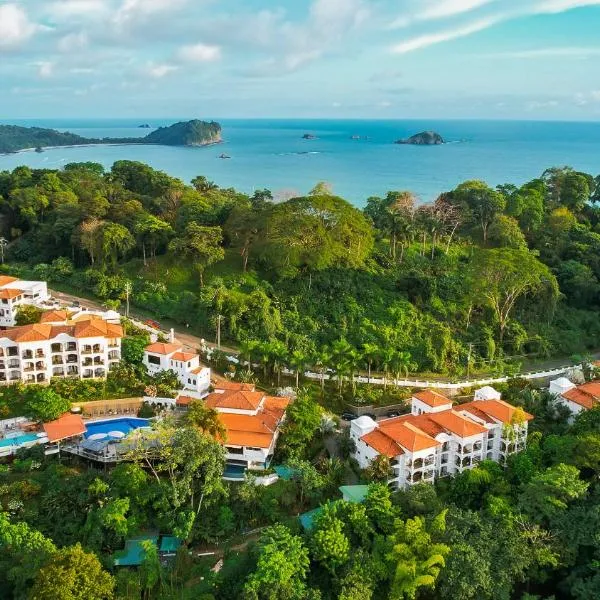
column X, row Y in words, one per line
column 16, row 292
column 577, row 398
column 439, row 440
column 252, row 421
column 84, row 349
column 193, row 377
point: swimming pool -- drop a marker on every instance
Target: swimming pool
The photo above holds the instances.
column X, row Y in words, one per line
column 123, row 424
column 19, row 440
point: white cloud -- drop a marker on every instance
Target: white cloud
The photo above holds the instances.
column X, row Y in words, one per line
column 158, row 71
column 72, row 42
column 45, row 69
column 541, row 104
column 449, row 8
column 15, row 26
column 77, row 8
column 566, row 52
column 199, row 53
column 131, row 11
column 431, row 39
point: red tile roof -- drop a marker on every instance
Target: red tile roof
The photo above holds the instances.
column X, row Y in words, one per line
column 382, row 443
column 248, row 430
column 432, row 398
column 407, row 435
column 97, row 328
column 586, row 395
column 184, row 400
column 39, row 332
column 64, row 427
column 10, row 294
column 161, row 348
column 6, row 279
column 54, row 316
column 496, row 409
column 235, row 400
column 183, row 356
column 234, row 385
column 457, row 424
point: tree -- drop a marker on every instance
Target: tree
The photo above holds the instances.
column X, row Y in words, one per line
column 380, row 468
column 330, row 546
column 115, row 242
column 503, row 276
column 370, row 354
column 302, row 423
column 151, row 231
column 202, row 184
column 549, row 493
column 89, row 236
column 483, row 203
column 133, row 349
column 23, row 551
column 44, row 404
column 27, row 314
column 73, row 574
column 415, row 559
column 281, row 567
column 244, row 227
column 505, row 232
column 299, row 361
column 202, row 245
column 206, row 419
column 311, row 482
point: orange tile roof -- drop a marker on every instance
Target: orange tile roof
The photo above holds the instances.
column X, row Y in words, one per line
column 184, row 400
column 183, row 356
column 6, row 279
column 29, row 333
column 10, row 294
column 64, row 427
column 236, row 400
column 161, row 348
column 586, row 395
column 497, row 409
column 234, row 385
column 97, row 328
column 425, row 424
column 54, row 316
column 473, row 409
column 382, row 443
column 198, row 370
column 457, row 424
column 247, row 430
column 432, row 398
column 406, row 435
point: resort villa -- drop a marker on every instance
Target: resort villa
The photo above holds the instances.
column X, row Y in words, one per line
column 83, row 346
column 576, row 398
column 193, row 377
column 438, row 439
column 252, row 421
column 15, row 292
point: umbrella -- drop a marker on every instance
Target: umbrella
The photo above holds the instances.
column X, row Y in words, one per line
column 97, row 436
column 116, row 434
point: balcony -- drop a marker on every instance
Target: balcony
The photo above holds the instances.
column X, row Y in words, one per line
column 114, row 355
column 57, row 360
column 58, row 372
column 40, row 377
column 40, row 354
column 56, row 348
column 13, row 364
column 72, row 358
column 29, row 367
column 113, row 344
column 87, row 362
column 1, row 351
column 71, row 347
column 27, row 354
column 14, row 375
column 40, row 365
column 72, row 371
column 98, row 360
column 2, row 365
column 12, row 351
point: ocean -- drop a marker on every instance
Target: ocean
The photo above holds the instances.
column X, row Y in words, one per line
column 272, row 153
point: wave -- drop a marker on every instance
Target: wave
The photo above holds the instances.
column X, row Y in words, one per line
column 298, row 153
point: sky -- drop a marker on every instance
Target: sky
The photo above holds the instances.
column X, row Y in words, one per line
column 385, row 59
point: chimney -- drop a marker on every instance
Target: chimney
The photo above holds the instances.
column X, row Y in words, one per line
column 172, row 336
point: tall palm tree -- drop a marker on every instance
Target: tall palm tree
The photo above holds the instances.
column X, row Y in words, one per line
column 247, row 351
column 370, row 353
column 277, row 355
column 387, row 359
column 343, row 357
column 321, row 361
column 206, row 419
column 298, row 362
column 402, row 364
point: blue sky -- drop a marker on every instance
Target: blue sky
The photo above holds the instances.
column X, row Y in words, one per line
column 501, row 59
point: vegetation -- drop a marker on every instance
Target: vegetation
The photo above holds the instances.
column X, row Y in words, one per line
column 190, row 133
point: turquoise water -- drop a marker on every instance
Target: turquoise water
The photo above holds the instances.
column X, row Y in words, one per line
column 124, row 425
column 272, row 153
column 19, row 440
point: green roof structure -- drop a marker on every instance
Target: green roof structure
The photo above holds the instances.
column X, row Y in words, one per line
column 286, row 473
column 354, row 493
column 307, row 519
column 169, row 544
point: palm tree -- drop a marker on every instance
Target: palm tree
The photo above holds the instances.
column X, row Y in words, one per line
column 344, row 359
column 321, row 361
column 387, row 359
column 298, row 361
column 206, row 419
column 402, row 364
column 247, row 351
column 370, row 353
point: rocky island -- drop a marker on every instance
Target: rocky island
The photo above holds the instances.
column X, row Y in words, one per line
column 425, row 138
column 186, row 133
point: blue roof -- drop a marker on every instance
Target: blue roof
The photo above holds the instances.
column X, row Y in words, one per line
column 285, row 472
column 134, row 553
column 169, row 543
column 307, row 519
column 354, row 493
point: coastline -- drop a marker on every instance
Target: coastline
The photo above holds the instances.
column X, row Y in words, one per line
column 33, row 149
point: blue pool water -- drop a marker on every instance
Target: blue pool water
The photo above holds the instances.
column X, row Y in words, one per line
column 20, row 440
column 124, row 425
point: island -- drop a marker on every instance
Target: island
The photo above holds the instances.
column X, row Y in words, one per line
column 186, row 133
column 425, row 138
column 144, row 126
column 309, row 136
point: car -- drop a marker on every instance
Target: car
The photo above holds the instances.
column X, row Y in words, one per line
column 348, row 416
column 152, row 323
column 76, row 304
column 371, row 416
column 392, row 413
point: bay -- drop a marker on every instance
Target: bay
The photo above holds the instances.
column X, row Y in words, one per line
column 272, row 153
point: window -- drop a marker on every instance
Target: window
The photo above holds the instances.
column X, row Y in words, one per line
column 153, row 360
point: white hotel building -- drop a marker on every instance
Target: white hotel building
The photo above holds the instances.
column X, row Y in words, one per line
column 438, row 440
column 193, row 377
column 16, row 292
column 83, row 347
